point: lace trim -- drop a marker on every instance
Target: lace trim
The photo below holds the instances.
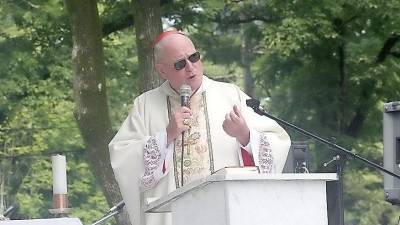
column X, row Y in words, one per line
column 265, row 155
column 152, row 158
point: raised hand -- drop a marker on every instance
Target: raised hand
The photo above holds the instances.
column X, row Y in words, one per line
column 235, row 126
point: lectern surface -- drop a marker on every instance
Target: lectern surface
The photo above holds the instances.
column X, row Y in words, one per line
column 163, row 204
column 53, row 221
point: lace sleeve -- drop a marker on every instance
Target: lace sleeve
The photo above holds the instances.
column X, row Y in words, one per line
column 152, row 161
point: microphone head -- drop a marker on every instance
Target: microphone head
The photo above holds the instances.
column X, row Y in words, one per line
column 253, row 103
column 185, row 91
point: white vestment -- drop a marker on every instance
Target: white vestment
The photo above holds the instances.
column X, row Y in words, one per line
column 147, row 122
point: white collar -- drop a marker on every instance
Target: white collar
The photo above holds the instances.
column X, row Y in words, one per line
column 168, row 90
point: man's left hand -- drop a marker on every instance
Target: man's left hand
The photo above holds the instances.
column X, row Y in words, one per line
column 235, row 126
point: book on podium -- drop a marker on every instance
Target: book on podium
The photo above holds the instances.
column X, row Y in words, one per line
column 238, row 170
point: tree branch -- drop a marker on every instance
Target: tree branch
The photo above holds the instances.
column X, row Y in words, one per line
column 122, row 22
column 242, row 19
column 387, row 47
column 395, row 54
column 118, row 24
column 244, row 15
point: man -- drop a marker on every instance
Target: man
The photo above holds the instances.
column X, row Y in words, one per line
column 219, row 131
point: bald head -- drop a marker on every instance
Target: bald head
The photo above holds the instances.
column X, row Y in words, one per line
column 170, row 43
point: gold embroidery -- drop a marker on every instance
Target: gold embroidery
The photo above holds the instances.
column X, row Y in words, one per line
column 197, row 154
column 204, row 104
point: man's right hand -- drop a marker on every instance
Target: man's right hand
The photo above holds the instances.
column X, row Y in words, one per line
column 176, row 124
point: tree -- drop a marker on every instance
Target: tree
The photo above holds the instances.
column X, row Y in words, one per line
column 148, row 26
column 90, row 93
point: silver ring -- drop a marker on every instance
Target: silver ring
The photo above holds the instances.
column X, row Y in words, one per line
column 185, row 121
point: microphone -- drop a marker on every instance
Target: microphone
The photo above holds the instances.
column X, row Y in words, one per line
column 117, row 207
column 185, row 91
column 253, row 103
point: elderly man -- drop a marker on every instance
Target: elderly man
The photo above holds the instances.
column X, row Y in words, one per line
column 219, row 131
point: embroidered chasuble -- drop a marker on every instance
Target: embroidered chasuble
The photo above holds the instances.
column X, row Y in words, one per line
column 198, row 155
column 145, row 167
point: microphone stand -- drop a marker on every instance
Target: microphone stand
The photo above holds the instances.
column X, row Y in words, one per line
column 342, row 152
column 115, row 210
column 105, row 217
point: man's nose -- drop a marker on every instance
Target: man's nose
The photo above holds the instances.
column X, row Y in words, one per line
column 189, row 65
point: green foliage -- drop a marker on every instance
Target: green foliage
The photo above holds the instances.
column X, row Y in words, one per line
column 34, row 190
column 364, row 194
column 121, row 74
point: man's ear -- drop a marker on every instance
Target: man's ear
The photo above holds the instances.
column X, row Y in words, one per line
column 161, row 70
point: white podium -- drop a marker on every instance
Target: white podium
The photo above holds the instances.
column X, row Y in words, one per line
column 251, row 199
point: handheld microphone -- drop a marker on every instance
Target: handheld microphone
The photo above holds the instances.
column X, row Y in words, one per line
column 185, row 91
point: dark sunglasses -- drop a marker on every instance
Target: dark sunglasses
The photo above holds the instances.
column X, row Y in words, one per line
column 182, row 63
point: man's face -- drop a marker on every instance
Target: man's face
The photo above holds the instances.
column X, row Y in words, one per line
column 180, row 63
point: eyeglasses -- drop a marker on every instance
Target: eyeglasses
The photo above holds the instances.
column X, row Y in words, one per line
column 182, row 63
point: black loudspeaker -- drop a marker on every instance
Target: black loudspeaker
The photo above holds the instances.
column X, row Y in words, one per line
column 391, row 150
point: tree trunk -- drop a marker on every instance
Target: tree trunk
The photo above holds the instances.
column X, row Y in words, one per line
column 91, row 110
column 148, row 25
column 342, row 86
column 246, row 62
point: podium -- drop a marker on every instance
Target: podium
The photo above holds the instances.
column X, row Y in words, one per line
column 251, row 199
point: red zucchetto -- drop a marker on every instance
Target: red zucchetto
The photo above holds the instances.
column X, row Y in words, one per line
column 166, row 33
